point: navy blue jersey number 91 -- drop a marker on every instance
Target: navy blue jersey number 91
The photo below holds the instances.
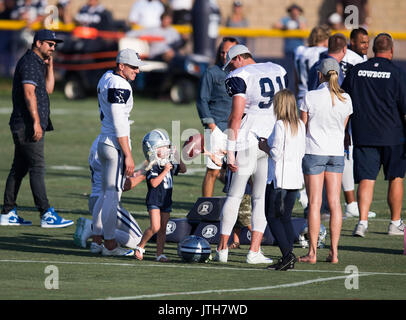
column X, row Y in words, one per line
column 268, row 91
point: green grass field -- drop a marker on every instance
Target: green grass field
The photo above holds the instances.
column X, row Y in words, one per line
column 26, row 253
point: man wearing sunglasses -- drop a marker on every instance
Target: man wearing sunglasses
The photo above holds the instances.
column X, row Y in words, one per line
column 33, row 82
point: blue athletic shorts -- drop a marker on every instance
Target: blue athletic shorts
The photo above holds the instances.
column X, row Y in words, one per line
column 315, row 164
column 368, row 161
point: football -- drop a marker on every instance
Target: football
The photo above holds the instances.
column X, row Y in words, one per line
column 193, row 146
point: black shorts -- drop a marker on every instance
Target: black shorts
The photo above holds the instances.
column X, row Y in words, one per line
column 368, row 161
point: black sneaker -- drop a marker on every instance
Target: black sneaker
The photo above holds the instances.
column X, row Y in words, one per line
column 275, row 266
column 287, row 263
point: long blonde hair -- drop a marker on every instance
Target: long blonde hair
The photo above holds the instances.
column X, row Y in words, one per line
column 334, row 87
column 285, row 109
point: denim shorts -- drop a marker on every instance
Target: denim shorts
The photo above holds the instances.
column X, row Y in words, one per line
column 315, row 164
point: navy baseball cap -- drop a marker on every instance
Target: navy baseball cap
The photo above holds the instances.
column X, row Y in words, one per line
column 46, row 34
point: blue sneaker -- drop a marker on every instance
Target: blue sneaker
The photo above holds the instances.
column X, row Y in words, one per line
column 51, row 219
column 12, row 219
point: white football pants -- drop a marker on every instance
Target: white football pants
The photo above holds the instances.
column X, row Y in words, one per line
column 128, row 232
column 112, row 172
column 251, row 162
column 348, row 174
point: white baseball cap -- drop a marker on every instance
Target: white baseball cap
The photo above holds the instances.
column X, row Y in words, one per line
column 130, row 57
column 235, row 51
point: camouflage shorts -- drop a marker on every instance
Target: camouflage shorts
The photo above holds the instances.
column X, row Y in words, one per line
column 244, row 213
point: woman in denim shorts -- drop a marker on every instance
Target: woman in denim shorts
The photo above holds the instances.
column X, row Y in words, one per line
column 325, row 112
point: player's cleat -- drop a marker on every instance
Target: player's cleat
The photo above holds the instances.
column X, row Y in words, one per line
column 83, row 232
column 394, row 230
column 221, row 256
column 96, row 248
column 51, row 219
column 360, row 230
column 78, row 231
column 257, row 258
column 117, row 251
column 12, row 219
column 351, row 210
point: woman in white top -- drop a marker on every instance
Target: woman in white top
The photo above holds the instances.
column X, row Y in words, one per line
column 325, row 112
column 286, row 148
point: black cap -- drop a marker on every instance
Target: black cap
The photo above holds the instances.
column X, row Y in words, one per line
column 294, row 6
column 46, row 34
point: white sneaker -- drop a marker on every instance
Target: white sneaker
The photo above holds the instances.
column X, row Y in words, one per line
column 394, row 230
column 257, row 257
column 351, row 210
column 303, row 199
column 13, row 219
column 221, row 256
column 360, row 230
column 117, row 251
column 96, row 248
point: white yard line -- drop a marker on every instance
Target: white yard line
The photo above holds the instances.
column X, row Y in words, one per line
column 188, row 266
column 279, row 286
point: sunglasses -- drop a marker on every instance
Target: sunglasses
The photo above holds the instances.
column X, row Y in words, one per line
column 50, row 44
column 132, row 67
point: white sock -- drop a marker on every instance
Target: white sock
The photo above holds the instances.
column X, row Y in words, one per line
column 396, row 222
column 364, row 223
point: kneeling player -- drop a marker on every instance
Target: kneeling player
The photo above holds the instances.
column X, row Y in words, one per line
column 128, row 233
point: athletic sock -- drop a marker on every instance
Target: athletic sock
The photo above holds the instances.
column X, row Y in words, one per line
column 364, row 223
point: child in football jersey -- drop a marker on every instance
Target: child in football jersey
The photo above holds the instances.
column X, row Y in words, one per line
column 159, row 202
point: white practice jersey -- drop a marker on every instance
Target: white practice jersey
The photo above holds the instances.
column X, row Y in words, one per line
column 115, row 104
column 305, row 58
column 351, row 59
column 95, row 169
column 257, row 83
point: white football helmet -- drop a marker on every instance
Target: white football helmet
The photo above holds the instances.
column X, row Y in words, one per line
column 194, row 249
column 154, row 140
column 304, row 237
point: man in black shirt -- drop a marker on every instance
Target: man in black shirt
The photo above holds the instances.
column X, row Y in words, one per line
column 378, row 92
column 33, row 81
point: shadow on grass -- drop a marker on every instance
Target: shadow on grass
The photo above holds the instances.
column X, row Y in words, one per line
column 42, row 243
column 370, row 249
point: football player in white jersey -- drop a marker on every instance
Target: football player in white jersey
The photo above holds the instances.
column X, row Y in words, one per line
column 252, row 87
column 128, row 232
column 357, row 50
column 114, row 148
column 306, row 57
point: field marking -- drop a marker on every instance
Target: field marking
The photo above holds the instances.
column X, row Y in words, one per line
column 279, row 286
column 189, row 266
column 161, row 295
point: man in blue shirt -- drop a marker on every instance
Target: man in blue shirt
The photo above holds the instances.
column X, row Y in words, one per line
column 33, row 82
column 378, row 92
column 214, row 107
column 337, row 48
